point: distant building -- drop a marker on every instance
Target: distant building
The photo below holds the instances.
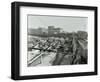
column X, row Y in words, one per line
column 82, row 34
column 57, row 30
column 32, row 31
column 53, row 30
column 50, row 29
column 40, row 30
column 43, row 31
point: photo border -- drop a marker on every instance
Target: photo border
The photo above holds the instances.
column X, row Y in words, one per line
column 15, row 40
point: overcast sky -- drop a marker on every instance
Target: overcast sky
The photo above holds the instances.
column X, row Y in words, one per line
column 68, row 24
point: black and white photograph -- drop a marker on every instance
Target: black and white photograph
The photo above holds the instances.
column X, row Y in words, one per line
column 53, row 40
column 57, row 40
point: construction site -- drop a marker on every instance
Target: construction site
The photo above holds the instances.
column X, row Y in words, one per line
column 60, row 48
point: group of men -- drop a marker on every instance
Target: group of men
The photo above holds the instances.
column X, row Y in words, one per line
column 69, row 50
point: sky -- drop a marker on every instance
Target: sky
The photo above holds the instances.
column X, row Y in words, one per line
column 68, row 24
